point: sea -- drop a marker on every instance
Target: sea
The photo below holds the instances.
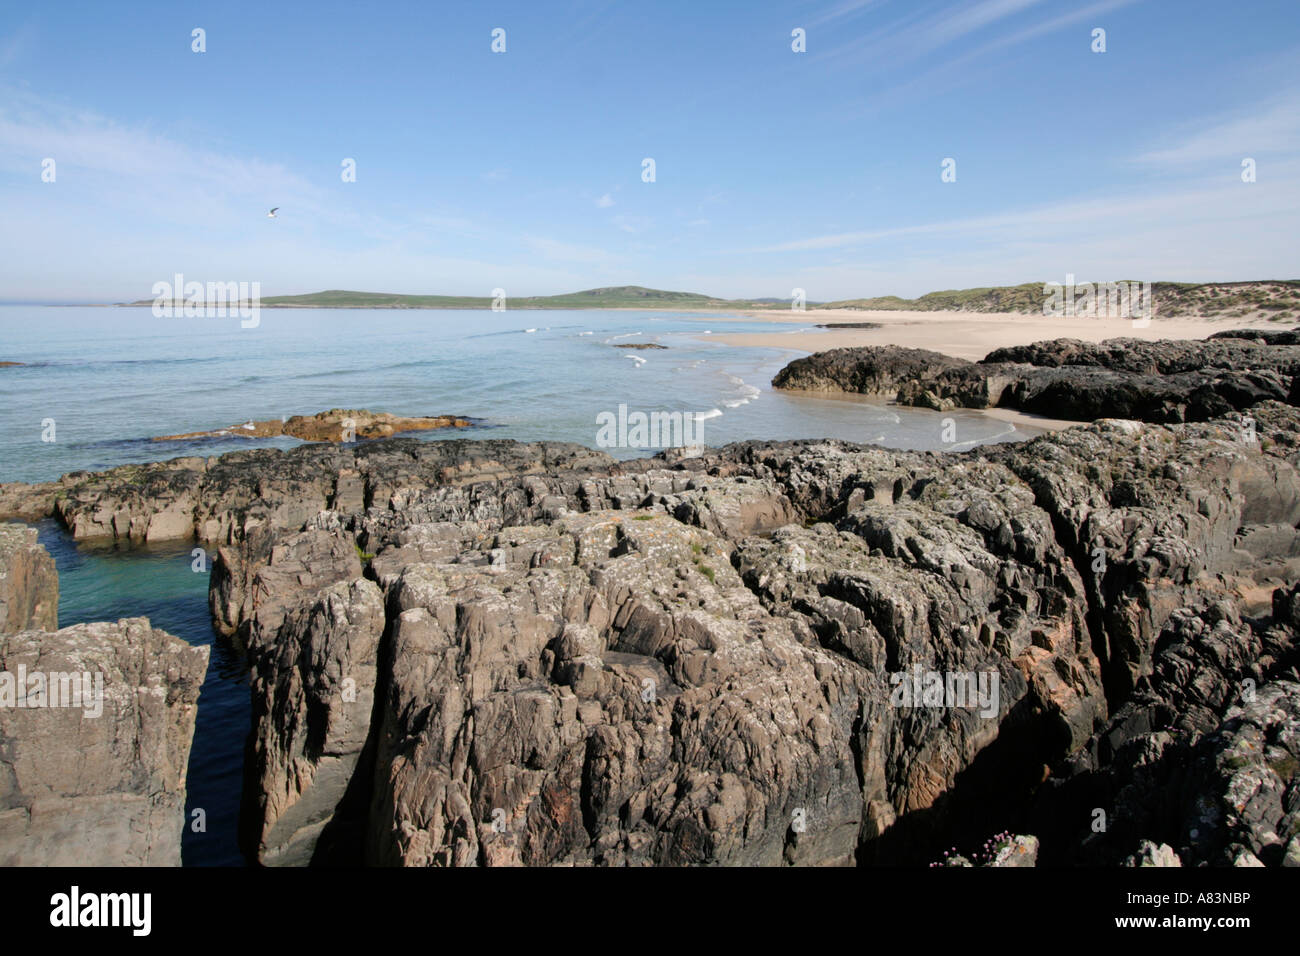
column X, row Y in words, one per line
column 97, row 385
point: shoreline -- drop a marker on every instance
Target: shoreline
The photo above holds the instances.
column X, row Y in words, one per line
column 964, row 335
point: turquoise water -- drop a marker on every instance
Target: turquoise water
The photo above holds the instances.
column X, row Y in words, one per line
column 157, row 582
column 111, row 379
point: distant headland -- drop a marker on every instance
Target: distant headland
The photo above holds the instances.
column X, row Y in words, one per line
column 1278, row 298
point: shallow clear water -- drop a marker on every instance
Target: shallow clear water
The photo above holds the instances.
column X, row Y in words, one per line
column 159, row 582
column 111, row 379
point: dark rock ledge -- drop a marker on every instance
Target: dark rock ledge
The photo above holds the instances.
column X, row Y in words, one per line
column 1160, row 381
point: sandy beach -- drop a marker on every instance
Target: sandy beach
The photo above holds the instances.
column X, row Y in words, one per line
column 967, row 335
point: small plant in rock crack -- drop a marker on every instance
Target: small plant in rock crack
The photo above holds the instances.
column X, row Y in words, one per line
column 365, row 556
column 985, row 855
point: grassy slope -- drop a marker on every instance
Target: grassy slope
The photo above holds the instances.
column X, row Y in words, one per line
column 1280, row 298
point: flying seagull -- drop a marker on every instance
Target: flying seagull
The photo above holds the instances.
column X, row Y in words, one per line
column 271, row 214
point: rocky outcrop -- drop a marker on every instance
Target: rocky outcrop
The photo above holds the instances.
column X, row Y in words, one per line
column 29, row 583
column 313, row 693
column 1162, row 381
column 237, row 496
column 96, row 722
column 336, row 425
column 877, row 370
column 806, row 652
column 699, row 661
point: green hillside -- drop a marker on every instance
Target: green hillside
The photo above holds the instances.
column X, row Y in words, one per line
column 614, row 297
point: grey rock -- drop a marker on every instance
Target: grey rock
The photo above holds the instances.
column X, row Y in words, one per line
column 29, row 583
column 101, row 784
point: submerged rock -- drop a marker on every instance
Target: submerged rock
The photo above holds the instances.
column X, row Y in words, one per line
column 336, row 425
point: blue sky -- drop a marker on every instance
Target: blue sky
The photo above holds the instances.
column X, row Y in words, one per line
column 522, row 170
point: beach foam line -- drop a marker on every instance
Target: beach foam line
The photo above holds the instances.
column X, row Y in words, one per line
column 636, row 358
column 1010, row 430
column 705, row 416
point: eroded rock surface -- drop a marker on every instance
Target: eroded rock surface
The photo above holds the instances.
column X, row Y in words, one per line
column 100, row 779
column 29, row 583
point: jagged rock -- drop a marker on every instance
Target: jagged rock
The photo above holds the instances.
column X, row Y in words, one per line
column 313, row 693
column 103, row 783
column 29, row 583
column 1151, row 854
column 1242, row 798
column 526, row 616
column 566, row 708
column 242, row 594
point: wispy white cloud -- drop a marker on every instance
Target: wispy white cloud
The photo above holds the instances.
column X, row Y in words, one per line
column 1211, row 228
column 952, row 26
column 605, row 201
column 170, row 178
column 131, row 204
column 850, row 8
column 1270, row 128
column 893, row 47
